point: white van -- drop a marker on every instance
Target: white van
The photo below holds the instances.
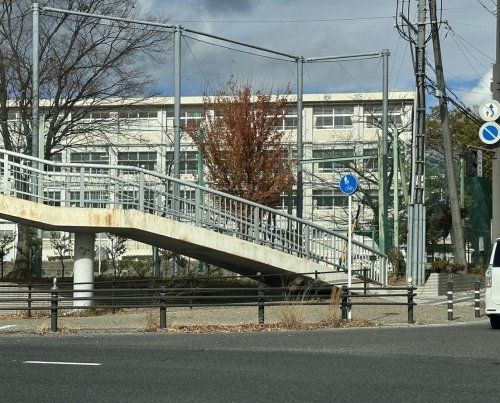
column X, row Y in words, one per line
column 492, row 283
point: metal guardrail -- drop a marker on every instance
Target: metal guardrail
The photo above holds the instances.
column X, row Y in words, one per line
column 128, row 187
column 39, row 297
column 348, row 297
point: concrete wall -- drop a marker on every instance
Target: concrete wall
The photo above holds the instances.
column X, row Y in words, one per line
column 436, row 284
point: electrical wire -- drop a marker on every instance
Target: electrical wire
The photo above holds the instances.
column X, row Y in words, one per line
column 381, row 17
column 239, row 50
column 486, row 8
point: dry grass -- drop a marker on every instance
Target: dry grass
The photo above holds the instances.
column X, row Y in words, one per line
column 84, row 313
column 292, row 313
column 334, row 308
column 60, row 330
column 270, row 327
column 151, row 325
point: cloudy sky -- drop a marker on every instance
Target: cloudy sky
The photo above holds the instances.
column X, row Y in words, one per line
column 319, row 28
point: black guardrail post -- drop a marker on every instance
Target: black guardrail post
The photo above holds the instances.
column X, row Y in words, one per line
column 316, row 282
column 163, row 309
column 449, row 293
column 344, row 302
column 477, row 296
column 260, row 299
column 30, row 287
column 410, row 305
column 113, row 310
column 192, row 294
column 365, row 280
column 53, row 306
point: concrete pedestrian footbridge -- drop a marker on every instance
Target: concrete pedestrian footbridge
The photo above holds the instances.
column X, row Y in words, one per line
column 169, row 213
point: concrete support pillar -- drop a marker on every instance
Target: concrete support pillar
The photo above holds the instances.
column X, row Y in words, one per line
column 83, row 271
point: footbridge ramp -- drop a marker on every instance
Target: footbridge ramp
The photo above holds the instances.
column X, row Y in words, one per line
column 180, row 216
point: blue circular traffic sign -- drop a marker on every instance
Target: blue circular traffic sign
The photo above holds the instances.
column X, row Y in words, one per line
column 348, row 184
column 489, row 133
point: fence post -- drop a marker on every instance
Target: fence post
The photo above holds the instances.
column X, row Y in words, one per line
column 113, row 310
column 29, row 299
column 163, row 309
column 365, row 280
column 192, row 294
column 260, row 299
column 477, row 296
column 344, row 302
column 410, row 305
column 449, row 293
column 53, row 307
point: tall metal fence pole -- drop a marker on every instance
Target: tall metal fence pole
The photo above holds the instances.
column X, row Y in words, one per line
column 449, row 293
column 260, row 299
column 410, row 305
column 477, row 296
column 163, row 309
column 53, row 306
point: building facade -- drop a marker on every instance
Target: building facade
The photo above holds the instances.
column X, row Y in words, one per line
column 140, row 133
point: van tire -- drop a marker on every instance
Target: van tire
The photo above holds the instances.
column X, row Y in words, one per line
column 495, row 321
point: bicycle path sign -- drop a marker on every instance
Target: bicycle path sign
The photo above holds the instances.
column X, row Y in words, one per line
column 348, row 184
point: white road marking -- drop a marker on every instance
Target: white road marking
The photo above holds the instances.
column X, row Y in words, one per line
column 7, row 326
column 63, row 363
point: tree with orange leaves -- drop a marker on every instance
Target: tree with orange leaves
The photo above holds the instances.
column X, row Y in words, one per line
column 243, row 150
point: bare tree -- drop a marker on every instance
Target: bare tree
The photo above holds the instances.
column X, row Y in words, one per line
column 116, row 248
column 63, row 245
column 242, row 147
column 6, row 244
column 84, row 63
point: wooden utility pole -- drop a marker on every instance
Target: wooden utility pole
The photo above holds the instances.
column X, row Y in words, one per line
column 456, row 218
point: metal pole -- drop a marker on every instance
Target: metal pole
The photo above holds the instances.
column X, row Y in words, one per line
column 349, row 241
column 395, row 201
column 177, row 122
column 495, row 89
column 383, row 194
column 477, row 296
column 300, row 145
column 163, row 309
column 53, row 306
column 36, row 95
column 349, row 248
column 177, row 102
column 201, row 182
column 260, row 299
column 449, row 293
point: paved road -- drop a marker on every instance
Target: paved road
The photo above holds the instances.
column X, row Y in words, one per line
column 446, row 363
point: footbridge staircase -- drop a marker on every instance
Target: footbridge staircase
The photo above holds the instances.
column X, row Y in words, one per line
column 180, row 216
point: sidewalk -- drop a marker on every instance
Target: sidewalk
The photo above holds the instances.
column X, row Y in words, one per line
column 429, row 312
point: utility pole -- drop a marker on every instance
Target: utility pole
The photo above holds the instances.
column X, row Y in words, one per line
column 456, row 217
column 416, row 254
column 495, row 89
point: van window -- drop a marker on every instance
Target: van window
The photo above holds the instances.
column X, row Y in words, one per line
column 496, row 258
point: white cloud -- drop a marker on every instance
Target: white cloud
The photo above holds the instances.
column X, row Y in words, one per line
column 480, row 93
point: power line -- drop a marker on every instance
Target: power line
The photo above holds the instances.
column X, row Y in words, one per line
column 468, row 43
column 381, row 17
column 486, row 8
column 238, row 50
